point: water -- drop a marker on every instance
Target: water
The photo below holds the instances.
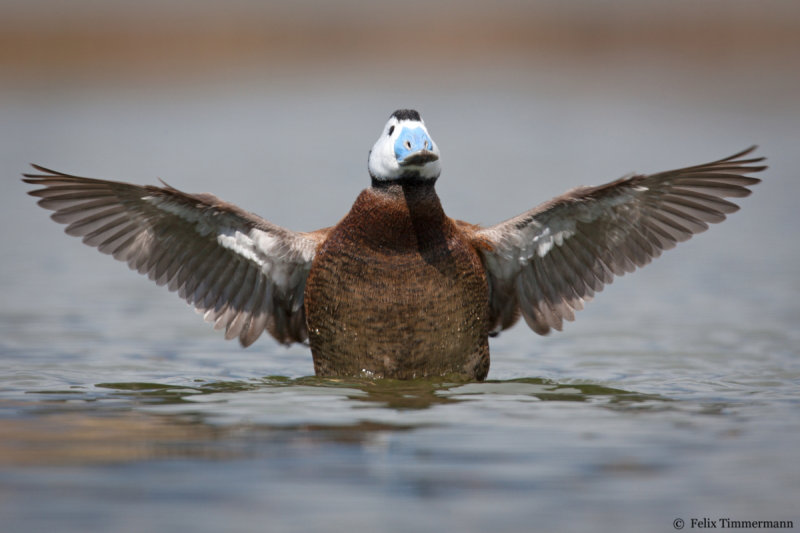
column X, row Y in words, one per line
column 674, row 394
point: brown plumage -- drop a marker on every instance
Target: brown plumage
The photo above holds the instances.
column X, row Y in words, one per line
column 396, row 289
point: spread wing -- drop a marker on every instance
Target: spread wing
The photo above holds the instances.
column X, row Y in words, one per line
column 243, row 273
column 547, row 262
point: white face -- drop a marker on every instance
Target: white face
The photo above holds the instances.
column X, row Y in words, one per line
column 404, row 150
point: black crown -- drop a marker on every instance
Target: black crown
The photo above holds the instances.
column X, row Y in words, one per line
column 406, row 114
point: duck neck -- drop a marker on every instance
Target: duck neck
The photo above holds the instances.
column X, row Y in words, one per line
column 400, row 215
column 410, row 180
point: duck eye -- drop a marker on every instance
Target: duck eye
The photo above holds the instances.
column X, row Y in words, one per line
column 407, row 145
column 391, row 130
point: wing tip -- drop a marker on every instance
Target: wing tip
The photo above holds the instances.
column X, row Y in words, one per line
column 738, row 158
column 45, row 173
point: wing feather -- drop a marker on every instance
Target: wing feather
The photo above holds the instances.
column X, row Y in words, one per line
column 243, row 273
column 547, row 262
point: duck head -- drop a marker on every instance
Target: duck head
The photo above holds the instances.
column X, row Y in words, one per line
column 404, row 151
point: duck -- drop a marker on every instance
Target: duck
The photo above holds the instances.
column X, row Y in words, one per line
column 396, row 289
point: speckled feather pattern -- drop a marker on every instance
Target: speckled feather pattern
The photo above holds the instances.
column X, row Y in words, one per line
column 397, row 290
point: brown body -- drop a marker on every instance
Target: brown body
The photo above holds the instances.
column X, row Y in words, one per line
column 398, row 291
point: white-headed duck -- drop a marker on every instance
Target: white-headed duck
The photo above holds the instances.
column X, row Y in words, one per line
column 396, row 289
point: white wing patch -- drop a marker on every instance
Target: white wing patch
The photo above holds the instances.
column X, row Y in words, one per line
column 541, row 244
column 241, row 243
column 255, row 245
column 544, row 243
column 264, row 250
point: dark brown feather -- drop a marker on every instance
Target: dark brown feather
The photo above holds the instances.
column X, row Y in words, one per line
column 398, row 291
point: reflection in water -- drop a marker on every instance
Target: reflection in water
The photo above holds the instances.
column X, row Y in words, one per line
column 92, row 437
column 76, row 428
column 388, row 393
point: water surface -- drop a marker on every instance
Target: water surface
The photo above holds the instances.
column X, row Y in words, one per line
column 674, row 395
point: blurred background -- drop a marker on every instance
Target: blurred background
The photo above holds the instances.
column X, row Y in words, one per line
column 200, row 90
column 273, row 105
column 182, row 40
